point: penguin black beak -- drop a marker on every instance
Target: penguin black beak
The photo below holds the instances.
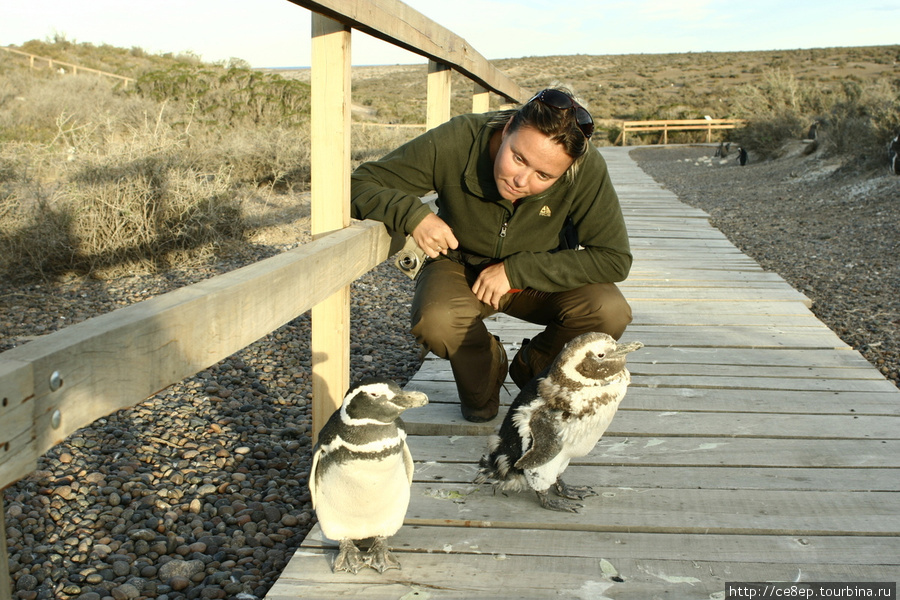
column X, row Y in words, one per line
column 624, row 349
column 410, row 399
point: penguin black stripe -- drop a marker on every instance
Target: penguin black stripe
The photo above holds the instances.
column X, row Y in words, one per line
column 341, row 455
column 357, row 435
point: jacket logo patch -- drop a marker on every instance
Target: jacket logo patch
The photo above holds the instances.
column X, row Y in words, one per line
column 545, row 211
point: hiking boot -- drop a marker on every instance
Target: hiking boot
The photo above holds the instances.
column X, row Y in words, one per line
column 519, row 370
column 492, row 406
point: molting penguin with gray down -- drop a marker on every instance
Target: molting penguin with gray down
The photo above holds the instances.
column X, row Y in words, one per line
column 559, row 415
column 362, row 472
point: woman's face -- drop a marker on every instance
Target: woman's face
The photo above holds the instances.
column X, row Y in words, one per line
column 527, row 163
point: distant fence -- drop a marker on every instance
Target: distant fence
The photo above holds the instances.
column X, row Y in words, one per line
column 52, row 63
column 665, row 126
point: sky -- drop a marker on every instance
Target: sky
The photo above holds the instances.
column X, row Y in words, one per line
column 275, row 33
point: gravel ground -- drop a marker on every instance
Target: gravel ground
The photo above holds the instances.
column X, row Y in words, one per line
column 829, row 231
column 201, row 491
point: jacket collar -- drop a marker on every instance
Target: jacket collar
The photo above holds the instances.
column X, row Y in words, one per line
column 478, row 177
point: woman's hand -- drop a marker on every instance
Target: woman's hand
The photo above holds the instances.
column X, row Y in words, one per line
column 434, row 236
column 492, row 285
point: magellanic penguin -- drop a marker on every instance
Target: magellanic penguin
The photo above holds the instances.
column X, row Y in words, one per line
column 362, row 472
column 560, row 415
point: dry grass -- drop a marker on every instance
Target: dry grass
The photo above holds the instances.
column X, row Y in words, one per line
column 95, row 180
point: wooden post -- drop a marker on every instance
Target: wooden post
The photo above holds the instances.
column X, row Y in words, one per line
column 330, row 207
column 5, row 586
column 665, row 134
column 438, row 95
column 481, row 99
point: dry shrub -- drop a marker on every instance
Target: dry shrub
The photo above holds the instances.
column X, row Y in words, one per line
column 856, row 120
column 862, row 120
column 274, row 156
column 36, row 107
column 372, row 141
column 132, row 204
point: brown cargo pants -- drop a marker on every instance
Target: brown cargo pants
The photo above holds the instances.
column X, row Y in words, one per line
column 447, row 319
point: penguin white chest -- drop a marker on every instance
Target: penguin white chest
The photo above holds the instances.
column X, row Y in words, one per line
column 579, row 436
column 363, row 498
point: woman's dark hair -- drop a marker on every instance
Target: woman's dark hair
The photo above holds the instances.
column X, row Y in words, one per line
column 558, row 125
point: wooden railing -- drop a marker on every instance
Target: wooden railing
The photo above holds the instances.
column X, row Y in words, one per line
column 74, row 69
column 54, row 385
column 665, row 126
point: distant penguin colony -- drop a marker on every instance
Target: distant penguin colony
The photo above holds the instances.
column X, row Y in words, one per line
column 559, row 415
column 362, row 472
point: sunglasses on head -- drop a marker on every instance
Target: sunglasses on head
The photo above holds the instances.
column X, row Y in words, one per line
column 563, row 101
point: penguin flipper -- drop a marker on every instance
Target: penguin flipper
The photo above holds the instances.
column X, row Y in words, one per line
column 545, row 443
column 313, row 475
column 408, row 462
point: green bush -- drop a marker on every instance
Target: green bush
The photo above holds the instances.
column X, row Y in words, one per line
column 230, row 97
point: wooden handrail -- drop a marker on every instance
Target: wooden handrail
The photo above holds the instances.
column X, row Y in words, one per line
column 58, row 383
column 667, row 125
column 399, row 24
column 75, row 68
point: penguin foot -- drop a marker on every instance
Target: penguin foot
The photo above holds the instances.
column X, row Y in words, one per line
column 574, row 492
column 380, row 557
column 349, row 558
column 557, row 504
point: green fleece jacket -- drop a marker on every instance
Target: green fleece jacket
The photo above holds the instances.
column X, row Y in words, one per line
column 454, row 161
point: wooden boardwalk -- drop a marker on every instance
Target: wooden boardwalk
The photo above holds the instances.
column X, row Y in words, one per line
column 753, row 445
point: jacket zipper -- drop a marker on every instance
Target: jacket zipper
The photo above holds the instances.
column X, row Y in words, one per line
column 503, row 227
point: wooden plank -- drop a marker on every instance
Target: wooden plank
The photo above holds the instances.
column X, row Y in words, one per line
column 645, row 317
column 709, row 399
column 731, row 336
column 711, row 295
column 5, row 586
column 724, row 478
column 715, row 451
column 330, row 103
column 770, row 401
column 705, row 366
column 506, row 575
column 18, row 455
column 399, row 24
column 488, row 542
column 120, row 358
column 691, row 511
column 644, row 371
column 441, row 418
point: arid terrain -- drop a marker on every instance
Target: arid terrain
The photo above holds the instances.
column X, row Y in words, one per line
column 202, row 491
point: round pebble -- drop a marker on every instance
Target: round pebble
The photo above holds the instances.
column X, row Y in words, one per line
column 180, row 496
